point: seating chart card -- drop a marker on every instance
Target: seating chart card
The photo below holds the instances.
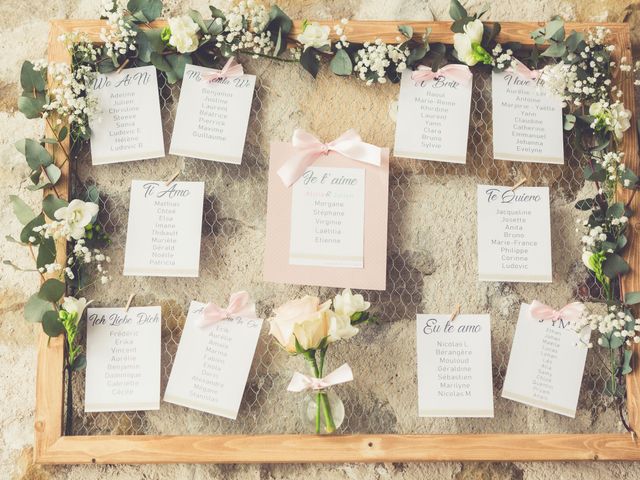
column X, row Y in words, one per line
column 454, row 366
column 527, row 120
column 213, row 362
column 212, row 117
column 164, row 229
column 123, row 359
column 514, row 234
column 546, row 364
column 433, row 119
column 129, row 126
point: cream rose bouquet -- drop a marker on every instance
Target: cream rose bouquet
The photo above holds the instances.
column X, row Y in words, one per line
column 306, row 327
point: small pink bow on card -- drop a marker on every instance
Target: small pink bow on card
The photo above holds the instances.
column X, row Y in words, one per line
column 521, row 69
column 308, row 149
column 571, row 312
column 230, row 69
column 300, row 382
column 240, row 305
column 459, row 73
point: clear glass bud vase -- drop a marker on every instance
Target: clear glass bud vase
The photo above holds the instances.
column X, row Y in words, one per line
column 323, row 411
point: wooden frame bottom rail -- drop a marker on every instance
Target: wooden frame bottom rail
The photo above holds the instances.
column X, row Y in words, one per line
column 137, row 449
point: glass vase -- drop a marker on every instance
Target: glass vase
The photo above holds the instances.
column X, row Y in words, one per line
column 323, row 411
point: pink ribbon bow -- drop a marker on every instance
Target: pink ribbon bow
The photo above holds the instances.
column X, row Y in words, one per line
column 460, row 73
column 521, row 69
column 570, row 313
column 240, row 305
column 230, row 69
column 300, row 382
column 308, row 149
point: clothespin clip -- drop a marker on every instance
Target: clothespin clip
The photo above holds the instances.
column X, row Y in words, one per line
column 456, row 312
column 172, row 178
column 519, row 184
column 126, row 308
column 124, row 64
column 634, row 437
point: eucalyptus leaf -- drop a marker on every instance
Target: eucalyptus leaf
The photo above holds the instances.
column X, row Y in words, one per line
column 31, row 79
column 35, row 308
column 145, row 10
column 586, row 204
column 16, row 267
column 614, row 265
column 457, row 11
column 51, row 203
column 35, row 153
column 632, row 298
column 53, row 173
column 555, row 50
column 417, row 54
column 310, row 62
column 406, row 30
column 615, row 210
column 51, row 290
column 341, row 63
column 80, row 362
column 554, row 30
column 196, row 16
column 9, row 238
column 279, row 25
column 569, row 121
column 51, row 324
column 27, row 231
column 92, row 194
column 62, row 134
column 46, row 252
column 22, row 211
column 31, row 107
column 626, row 363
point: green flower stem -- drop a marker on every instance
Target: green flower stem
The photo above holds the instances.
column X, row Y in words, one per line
column 270, row 57
column 322, row 400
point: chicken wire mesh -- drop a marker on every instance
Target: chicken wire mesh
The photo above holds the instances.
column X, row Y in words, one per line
column 431, row 267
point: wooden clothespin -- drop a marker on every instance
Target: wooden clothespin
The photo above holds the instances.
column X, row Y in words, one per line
column 634, row 437
column 124, row 64
column 172, row 178
column 126, row 308
column 519, row 184
column 456, row 312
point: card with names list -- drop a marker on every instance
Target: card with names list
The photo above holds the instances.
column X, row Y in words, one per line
column 546, row 364
column 164, row 229
column 212, row 363
column 123, row 359
column 433, row 119
column 129, row 125
column 514, row 234
column 454, row 366
column 212, row 117
column 527, row 120
column 327, row 218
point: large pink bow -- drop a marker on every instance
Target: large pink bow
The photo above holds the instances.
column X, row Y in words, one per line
column 460, row 73
column 300, row 382
column 230, row 69
column 308, row 149
column 240, row 305
column 521, row 69
column 570, row 313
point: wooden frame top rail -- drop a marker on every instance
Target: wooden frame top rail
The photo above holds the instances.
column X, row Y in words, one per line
column 53, row 448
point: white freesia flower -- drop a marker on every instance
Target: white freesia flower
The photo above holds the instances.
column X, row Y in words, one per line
column 315, row 35
column 76, row 216
column 610, row 117
column 621, row 119
column 586, row 259
column 340, row 328
column 467, row 44
column 347, row 303
column 75, row 305
column 184, row 34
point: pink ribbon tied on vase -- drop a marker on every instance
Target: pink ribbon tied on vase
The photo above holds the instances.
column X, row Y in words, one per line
column 571, row 312
column 521, row 69
column 300, row 382
column 308, row 149
column 460, row 73
column 240, row 305
column 230, row 69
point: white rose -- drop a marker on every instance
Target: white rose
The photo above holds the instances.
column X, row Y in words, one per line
column 304, row 319
column 340, row 328
column 183, row 34
column 315, row 35
column 463, row 42
column 621, row 119
column 347, row 303
column 474, row 30
column 75, row 305
column 76, row 216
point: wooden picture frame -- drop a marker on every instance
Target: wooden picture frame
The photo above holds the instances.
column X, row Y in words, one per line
column 52, row 447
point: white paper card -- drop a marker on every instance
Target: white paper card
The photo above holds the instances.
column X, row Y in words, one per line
column 454, row 366
column 514, row 234
column 123, row 359
column 129, row 125
column 212, row 364
column 546, row 364
column 433, row 119
column 212, row 117
column 165, row 225
column 327, row 218
column 527, row 120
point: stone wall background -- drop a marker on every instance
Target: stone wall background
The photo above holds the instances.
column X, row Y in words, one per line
column 23, row 35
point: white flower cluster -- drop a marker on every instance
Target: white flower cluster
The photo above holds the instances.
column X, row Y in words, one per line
column 82, row 255
column 374, row 59
column 69, row 97
column 611, row 117
column 244, row 29
column 502, row 59
column 613, row 324
column 120, row 37
column 342, row 42
column 592, row 241
column 70, row 221
column 80, row 46
column 593, row 83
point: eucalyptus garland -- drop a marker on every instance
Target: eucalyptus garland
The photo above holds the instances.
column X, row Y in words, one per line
column 576, row 66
